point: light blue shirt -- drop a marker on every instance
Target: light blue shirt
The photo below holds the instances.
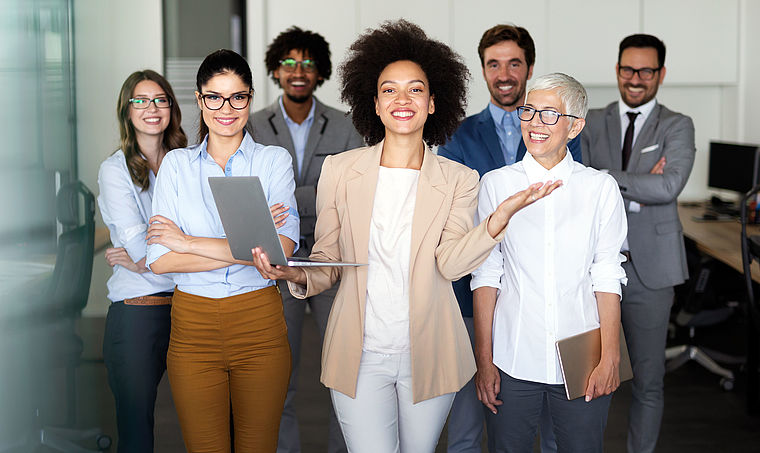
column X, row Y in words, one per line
column 126, row 209
column 508, row 129
column 184, row 196
column 299, row 132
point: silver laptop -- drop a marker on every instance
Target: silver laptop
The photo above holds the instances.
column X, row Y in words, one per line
column 248, row 223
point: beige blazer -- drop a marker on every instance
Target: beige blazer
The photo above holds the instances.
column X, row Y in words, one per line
column 444, row 247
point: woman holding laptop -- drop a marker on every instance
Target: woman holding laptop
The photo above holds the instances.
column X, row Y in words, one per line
column 396, row 349
column 555, row 274
column 229, row 350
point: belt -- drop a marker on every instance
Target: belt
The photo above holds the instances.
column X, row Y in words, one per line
column 627, row 255
column 149, row 300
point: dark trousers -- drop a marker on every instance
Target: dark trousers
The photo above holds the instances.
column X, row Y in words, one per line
column 134, row 351
column 578, row 426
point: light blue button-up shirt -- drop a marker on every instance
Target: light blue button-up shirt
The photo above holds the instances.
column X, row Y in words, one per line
column 183, row 195
column 299, row 132
column 126, row 209
column 508, row 129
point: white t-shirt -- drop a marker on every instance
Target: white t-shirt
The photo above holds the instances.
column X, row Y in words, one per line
column 386, row 319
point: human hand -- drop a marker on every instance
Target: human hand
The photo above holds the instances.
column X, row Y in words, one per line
column 488, row 385
column 659, row 167
column 277, row 272
column 604, row 380
column 165, row 232
column 517, row 201
column 119, row 255
column 280, row 212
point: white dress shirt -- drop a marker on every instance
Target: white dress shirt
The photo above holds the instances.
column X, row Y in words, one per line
column 126, row 209
column 556, row 253
column 643, row 110
column 386, row 319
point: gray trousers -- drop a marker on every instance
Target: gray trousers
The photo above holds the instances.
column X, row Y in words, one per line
column 578, row 425
column 289, row 438
column 465, row 430
column 645, row 315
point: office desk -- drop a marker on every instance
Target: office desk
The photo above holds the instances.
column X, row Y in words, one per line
column 722, row 241
column 719, row 239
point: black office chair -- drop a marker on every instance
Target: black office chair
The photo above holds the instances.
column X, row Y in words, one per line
column 52, row 311
column 698, row 294
column 750, row 253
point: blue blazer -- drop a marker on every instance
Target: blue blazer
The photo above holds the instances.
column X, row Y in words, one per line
column 476, row 145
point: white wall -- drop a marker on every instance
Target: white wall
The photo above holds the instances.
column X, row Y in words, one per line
column 112, row 39
column 712, row 59
column 712, row 49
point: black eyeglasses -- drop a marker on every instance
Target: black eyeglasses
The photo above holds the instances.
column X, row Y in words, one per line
column 144, row 103
column 237, row 101
column 290, row 65
column 627, row 72
column 548, row 117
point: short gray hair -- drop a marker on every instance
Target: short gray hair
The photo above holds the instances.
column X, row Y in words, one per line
column 570, row 91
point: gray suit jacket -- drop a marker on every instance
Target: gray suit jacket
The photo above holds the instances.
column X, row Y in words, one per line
column 655, row 236
column 331, row 132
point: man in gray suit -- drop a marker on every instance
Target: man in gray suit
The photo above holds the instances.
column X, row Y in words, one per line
column 649, row 150
column 299, row 61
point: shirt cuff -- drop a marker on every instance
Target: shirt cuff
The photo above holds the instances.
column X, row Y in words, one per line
column 155, row 251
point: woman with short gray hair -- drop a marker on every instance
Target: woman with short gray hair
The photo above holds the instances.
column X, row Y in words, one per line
column 555, row 274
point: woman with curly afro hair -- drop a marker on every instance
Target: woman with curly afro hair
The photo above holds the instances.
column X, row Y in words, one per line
column 396, row 349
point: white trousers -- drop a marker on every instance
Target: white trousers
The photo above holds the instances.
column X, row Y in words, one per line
column 382, row 417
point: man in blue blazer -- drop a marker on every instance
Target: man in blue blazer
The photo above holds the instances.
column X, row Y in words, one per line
column 486, row 141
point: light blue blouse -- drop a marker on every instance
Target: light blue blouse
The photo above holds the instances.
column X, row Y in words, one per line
column 126, row 209
column 183, row 195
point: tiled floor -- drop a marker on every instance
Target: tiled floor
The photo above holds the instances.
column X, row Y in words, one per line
column 699, row 416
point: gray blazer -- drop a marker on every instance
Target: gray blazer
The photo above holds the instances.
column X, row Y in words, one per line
column 332, row 132
column 655, row 237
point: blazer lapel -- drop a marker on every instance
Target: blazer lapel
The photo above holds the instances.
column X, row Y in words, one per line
column 613, row 137
column 428, row 202
column 487, row 132
column 277, row 122
column 645, row 136
column 315, row 135
column 360, row 198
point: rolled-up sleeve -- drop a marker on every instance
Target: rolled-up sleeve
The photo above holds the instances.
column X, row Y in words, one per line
column 120, row 211
column 280, row 188
column 491, row 271
column 607, row 274
column 164, row 202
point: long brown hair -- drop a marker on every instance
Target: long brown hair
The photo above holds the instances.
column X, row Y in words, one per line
column 174, row 136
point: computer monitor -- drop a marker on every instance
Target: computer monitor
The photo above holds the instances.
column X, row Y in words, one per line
column 733, row 166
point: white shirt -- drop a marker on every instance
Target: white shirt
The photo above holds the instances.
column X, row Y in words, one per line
column 641, row 118
column 126, row 209
column 556, row 253
column 386, row 319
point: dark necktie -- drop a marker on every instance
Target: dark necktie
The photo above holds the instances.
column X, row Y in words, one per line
column 628, row 140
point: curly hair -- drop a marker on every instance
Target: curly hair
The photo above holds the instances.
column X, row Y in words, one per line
column 174, row 136
column 395, row 41
column 307, row 42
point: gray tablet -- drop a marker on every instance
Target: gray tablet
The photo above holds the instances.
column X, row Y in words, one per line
column 248, row 223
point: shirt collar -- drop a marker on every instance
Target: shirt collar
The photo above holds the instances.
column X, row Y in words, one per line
column 246, row 146
column 498, row 114
column 309, row 117
column 644, row 110
column 537, row 173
